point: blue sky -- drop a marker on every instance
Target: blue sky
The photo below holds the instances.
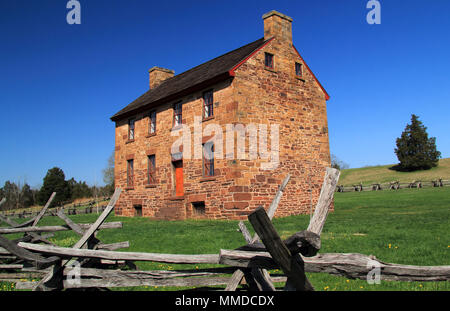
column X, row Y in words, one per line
column 60, row 83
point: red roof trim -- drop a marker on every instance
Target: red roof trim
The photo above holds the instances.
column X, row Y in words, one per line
column 231, row 71
column 327, row 97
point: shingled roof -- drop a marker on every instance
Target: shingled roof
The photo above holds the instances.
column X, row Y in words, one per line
column 213, row 71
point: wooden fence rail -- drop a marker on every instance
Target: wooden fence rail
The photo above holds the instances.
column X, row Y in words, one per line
column 109, row 225
column 93, row 264
column 53, row 211
column 354, row 266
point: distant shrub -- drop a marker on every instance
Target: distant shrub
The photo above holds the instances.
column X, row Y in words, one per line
column 415, row 151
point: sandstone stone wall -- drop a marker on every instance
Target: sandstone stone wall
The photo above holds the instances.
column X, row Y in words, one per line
column 158, row 200
column 298, row 105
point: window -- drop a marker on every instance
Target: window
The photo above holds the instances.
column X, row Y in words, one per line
column 137, row 210
column 152, row 122
column 177, row 114
column 151, row 170
column 208, row 104
column 208, row 159
column 198, row 208
column 131, row 123
column 298, row 70
column 130, row 173
column 268, row 60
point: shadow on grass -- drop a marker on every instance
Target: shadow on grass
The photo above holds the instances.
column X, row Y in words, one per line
column 399, row 168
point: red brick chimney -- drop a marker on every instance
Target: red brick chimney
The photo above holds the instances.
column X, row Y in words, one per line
column 277, row 25
column 158, row 75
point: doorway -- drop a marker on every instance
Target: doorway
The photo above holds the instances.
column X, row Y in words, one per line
column 179, row 187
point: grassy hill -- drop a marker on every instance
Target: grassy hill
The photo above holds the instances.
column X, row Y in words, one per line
column 381, row 174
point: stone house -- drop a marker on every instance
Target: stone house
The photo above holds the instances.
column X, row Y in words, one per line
column 264, row 85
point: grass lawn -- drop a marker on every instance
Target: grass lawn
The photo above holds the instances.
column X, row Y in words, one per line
column 408, row 226
column 382, row 174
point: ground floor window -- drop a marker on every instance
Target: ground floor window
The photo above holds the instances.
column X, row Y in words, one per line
column 198, row 208
column 137, row 210
column 208, row 159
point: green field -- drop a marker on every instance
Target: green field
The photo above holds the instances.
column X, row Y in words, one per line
column 408, row 226
column 383, row 173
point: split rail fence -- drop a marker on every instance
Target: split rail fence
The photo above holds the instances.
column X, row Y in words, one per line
column 393, row 185
column 73, row 209
column 91, row 264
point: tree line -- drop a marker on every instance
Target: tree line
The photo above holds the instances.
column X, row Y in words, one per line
column 21, row 195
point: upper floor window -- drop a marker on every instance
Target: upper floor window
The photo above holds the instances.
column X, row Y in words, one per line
column 298, row 70
column 208, row 159
column 208, row 104
column 152, row 122
column 177, row 114
column 151, row 170
column 130, row 173
column 268, row 62
column 131, row 132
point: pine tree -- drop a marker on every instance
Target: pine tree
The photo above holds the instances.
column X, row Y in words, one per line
column 54, row 181
column 415, row 150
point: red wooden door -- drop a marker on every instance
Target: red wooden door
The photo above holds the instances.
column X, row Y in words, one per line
column 179, row 189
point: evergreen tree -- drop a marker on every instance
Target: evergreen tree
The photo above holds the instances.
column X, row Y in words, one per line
column 79, row 189
column 54, row 181
column 415, row 150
